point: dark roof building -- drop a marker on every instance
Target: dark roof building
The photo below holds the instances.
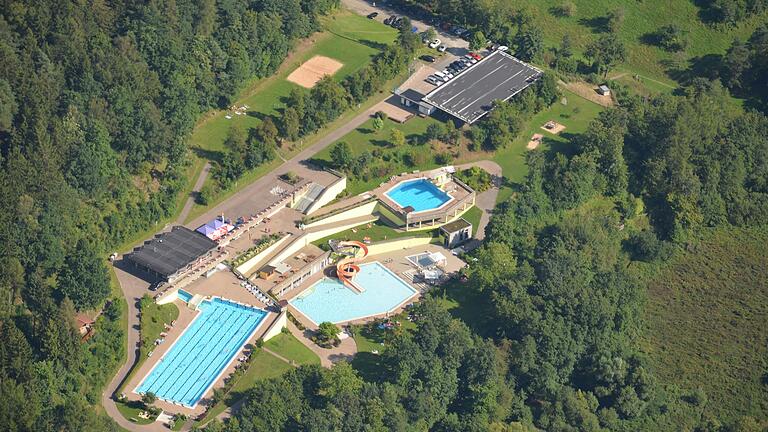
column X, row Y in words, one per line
column 456, row 232
column 470, row 95
column 170, row 254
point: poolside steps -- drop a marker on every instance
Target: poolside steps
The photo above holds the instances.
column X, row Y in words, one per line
column 194, row 303
column 313, row 192
column 410, row 275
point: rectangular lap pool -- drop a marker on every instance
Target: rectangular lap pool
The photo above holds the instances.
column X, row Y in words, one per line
column 420, row 194
column 202, row 352
column 330, row 300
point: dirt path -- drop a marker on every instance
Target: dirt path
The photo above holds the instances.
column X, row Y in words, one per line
column 196, row 189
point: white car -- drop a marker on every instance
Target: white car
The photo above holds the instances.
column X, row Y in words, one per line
column 502, row 48
column 448, row 73
column 435, row 43
column 442, row 48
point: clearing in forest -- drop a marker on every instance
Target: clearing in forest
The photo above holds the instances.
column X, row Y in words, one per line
column 313, row 70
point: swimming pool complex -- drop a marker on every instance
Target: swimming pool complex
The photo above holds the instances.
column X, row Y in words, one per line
column 420, row 194
column 330, row 300
column 202, row 352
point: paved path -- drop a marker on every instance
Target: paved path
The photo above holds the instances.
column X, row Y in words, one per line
column 485, row 201
column 196, row 189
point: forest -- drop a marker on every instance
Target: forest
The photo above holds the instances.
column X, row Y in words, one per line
column 97, row 100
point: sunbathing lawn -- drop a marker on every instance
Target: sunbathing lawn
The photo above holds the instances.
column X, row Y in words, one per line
column 286, row 345
column 378, row 231
column 366, row 138
column 263, row 366
column 131, row 410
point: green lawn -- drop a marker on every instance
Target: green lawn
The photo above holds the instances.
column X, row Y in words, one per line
column 131, row 410
column 368, row 339
column 286, row 345
column 706, row 318
column 153, row 320
column 365, row 138
column 473, row 216
column 263, row 366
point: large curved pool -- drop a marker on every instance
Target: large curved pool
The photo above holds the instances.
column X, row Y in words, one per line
column 330, row 300
column 421, row 194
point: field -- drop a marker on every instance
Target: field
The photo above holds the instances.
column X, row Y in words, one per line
column 641, row 18
column 706, row 321
column 263, row 366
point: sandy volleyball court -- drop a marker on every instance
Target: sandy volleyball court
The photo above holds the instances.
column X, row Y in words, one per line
column 309, row 73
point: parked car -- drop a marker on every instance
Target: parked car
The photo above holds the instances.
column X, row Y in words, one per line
column 442, row 48
column 435, row 43
column 448, row 73
column 432, row 80
column 470, row 59
column 390, row 20
column 475, row 56
column 502, row 48
column 428, row 58
column 372, row 15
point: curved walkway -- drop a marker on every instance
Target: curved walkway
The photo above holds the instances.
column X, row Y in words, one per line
column 485, row 201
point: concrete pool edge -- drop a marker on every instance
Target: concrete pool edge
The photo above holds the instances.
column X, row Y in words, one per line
column 224, row 367
column 419, row 179
column 415, row 293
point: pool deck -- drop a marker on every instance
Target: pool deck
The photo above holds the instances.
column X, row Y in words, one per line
column 222, row 284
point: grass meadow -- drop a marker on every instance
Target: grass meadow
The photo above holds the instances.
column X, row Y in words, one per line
column 706, row 316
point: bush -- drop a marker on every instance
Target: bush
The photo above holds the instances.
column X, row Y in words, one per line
column 566, row 9
column 476, row 178
column 645, row 246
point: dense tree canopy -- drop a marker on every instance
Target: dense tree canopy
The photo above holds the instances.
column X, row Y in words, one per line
column 96, row 102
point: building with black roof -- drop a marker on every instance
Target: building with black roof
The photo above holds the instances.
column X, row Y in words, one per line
column 170, row 254
column 470, row 95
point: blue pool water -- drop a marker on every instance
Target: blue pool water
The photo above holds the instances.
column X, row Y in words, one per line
column 205, row 348
column 330, row 300
column 184, row 296
column 420, row 194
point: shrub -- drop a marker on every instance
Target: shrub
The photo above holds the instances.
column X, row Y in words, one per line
column 476, row 178
column 645, row 246
column 566, row 9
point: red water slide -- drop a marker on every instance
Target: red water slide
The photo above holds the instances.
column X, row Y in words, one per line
column 347, row 268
